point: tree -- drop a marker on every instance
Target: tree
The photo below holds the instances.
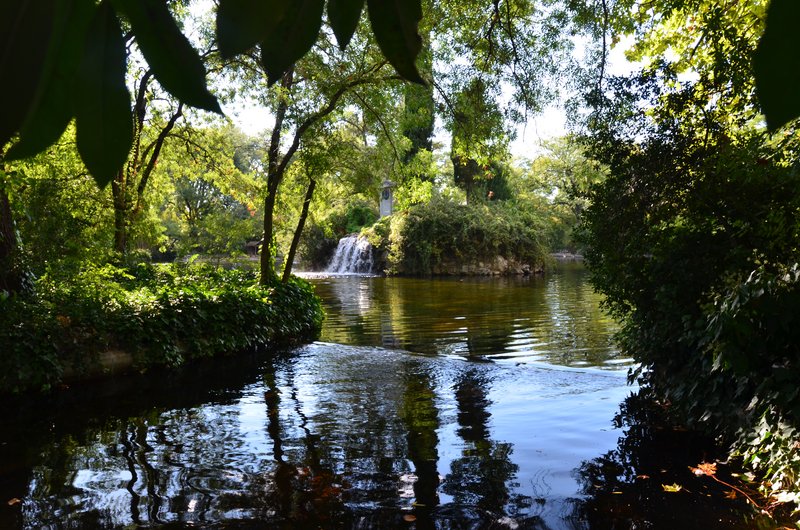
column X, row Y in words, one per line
column 69, row 60
column 697, row 257
column 307, row 97
column 130, row 183
column 209, row 180
column 478, row 138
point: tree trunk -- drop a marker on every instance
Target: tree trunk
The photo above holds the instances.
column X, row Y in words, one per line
column 278, row 164
column 275, row 172
column 287, row 268
column 118, row 193
column 10, row 277
column 268, row 274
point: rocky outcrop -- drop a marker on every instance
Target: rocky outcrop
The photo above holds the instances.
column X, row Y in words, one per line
column 497, row 266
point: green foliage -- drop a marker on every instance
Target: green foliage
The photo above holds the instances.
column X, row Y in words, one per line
column 433, row 238
column 209, row 221
column 74, row 53
column 57, row 205
column 559, row 180
column 162, row 315
column 698, row 257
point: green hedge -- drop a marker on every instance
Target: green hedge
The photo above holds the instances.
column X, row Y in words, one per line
column 161, row 315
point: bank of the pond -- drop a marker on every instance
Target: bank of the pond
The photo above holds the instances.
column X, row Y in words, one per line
column 107, row 320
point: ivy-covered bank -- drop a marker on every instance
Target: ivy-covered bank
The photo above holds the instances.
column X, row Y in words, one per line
column 147, row 316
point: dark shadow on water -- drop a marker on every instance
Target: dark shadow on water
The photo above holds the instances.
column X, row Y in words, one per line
column 646, row 482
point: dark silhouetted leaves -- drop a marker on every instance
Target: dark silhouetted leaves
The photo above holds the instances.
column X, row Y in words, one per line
column 294, row 35
column 47, row 121
column 242, row 24
column 25, row 31
column 344, row 16
column 175, row 63
column 103, row 112
column 777, row 64
column 395, row 24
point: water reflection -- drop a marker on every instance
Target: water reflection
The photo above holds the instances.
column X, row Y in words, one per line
column 625, row 487
column 340, row 436
column 365, row 437
column 554, row 320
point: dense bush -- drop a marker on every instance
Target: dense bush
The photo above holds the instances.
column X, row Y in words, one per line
column 427, row 238
column 162, row 315
column 693, row 240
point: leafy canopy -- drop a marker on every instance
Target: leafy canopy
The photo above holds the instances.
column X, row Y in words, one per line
column 68, row 60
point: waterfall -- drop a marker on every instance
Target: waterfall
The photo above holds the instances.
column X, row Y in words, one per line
column 353, row 255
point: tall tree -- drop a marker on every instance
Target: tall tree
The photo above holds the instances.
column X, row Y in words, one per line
column 479, row 137
column 130, row 183
column 306, row 97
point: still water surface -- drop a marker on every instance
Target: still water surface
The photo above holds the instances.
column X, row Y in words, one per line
column 554, row 320
column 427, row 404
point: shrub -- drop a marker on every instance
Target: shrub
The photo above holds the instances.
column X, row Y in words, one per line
column 426, row 238
column 698, row 259
column 162, row 315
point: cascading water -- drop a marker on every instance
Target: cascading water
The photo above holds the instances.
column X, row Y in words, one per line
column 353, row 255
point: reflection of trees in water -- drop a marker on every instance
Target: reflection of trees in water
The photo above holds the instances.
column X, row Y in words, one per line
column 331, row 440
column 421, row 419
column 555, row 319
column 483, row 476
column 580, row 331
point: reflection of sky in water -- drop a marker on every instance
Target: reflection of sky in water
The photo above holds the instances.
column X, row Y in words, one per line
column 347, row 412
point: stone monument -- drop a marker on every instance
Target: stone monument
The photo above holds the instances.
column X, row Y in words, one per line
column 387, row 198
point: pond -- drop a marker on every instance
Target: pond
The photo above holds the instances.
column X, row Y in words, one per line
column 428, row 403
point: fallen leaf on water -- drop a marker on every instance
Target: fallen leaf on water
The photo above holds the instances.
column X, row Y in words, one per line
column 706, row 468
column 14, row 501
column 672, row 488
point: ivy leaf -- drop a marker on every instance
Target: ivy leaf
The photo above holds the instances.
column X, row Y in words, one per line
column 25, row 32
column 776, row 64
column 344, row 16
column 395, row 24
column 241, row 24
column 46, row 122
column 102, row 101
column 175, row 63
column 294, row 35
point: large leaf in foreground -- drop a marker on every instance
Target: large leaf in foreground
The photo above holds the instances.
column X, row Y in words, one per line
column 344, row 16
column 175, row 63
column 242, row 24
column 102, row 101
column 294, row 35
column 395, row 24
column 777, row 64
column 25, row 31
column 50, row 116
